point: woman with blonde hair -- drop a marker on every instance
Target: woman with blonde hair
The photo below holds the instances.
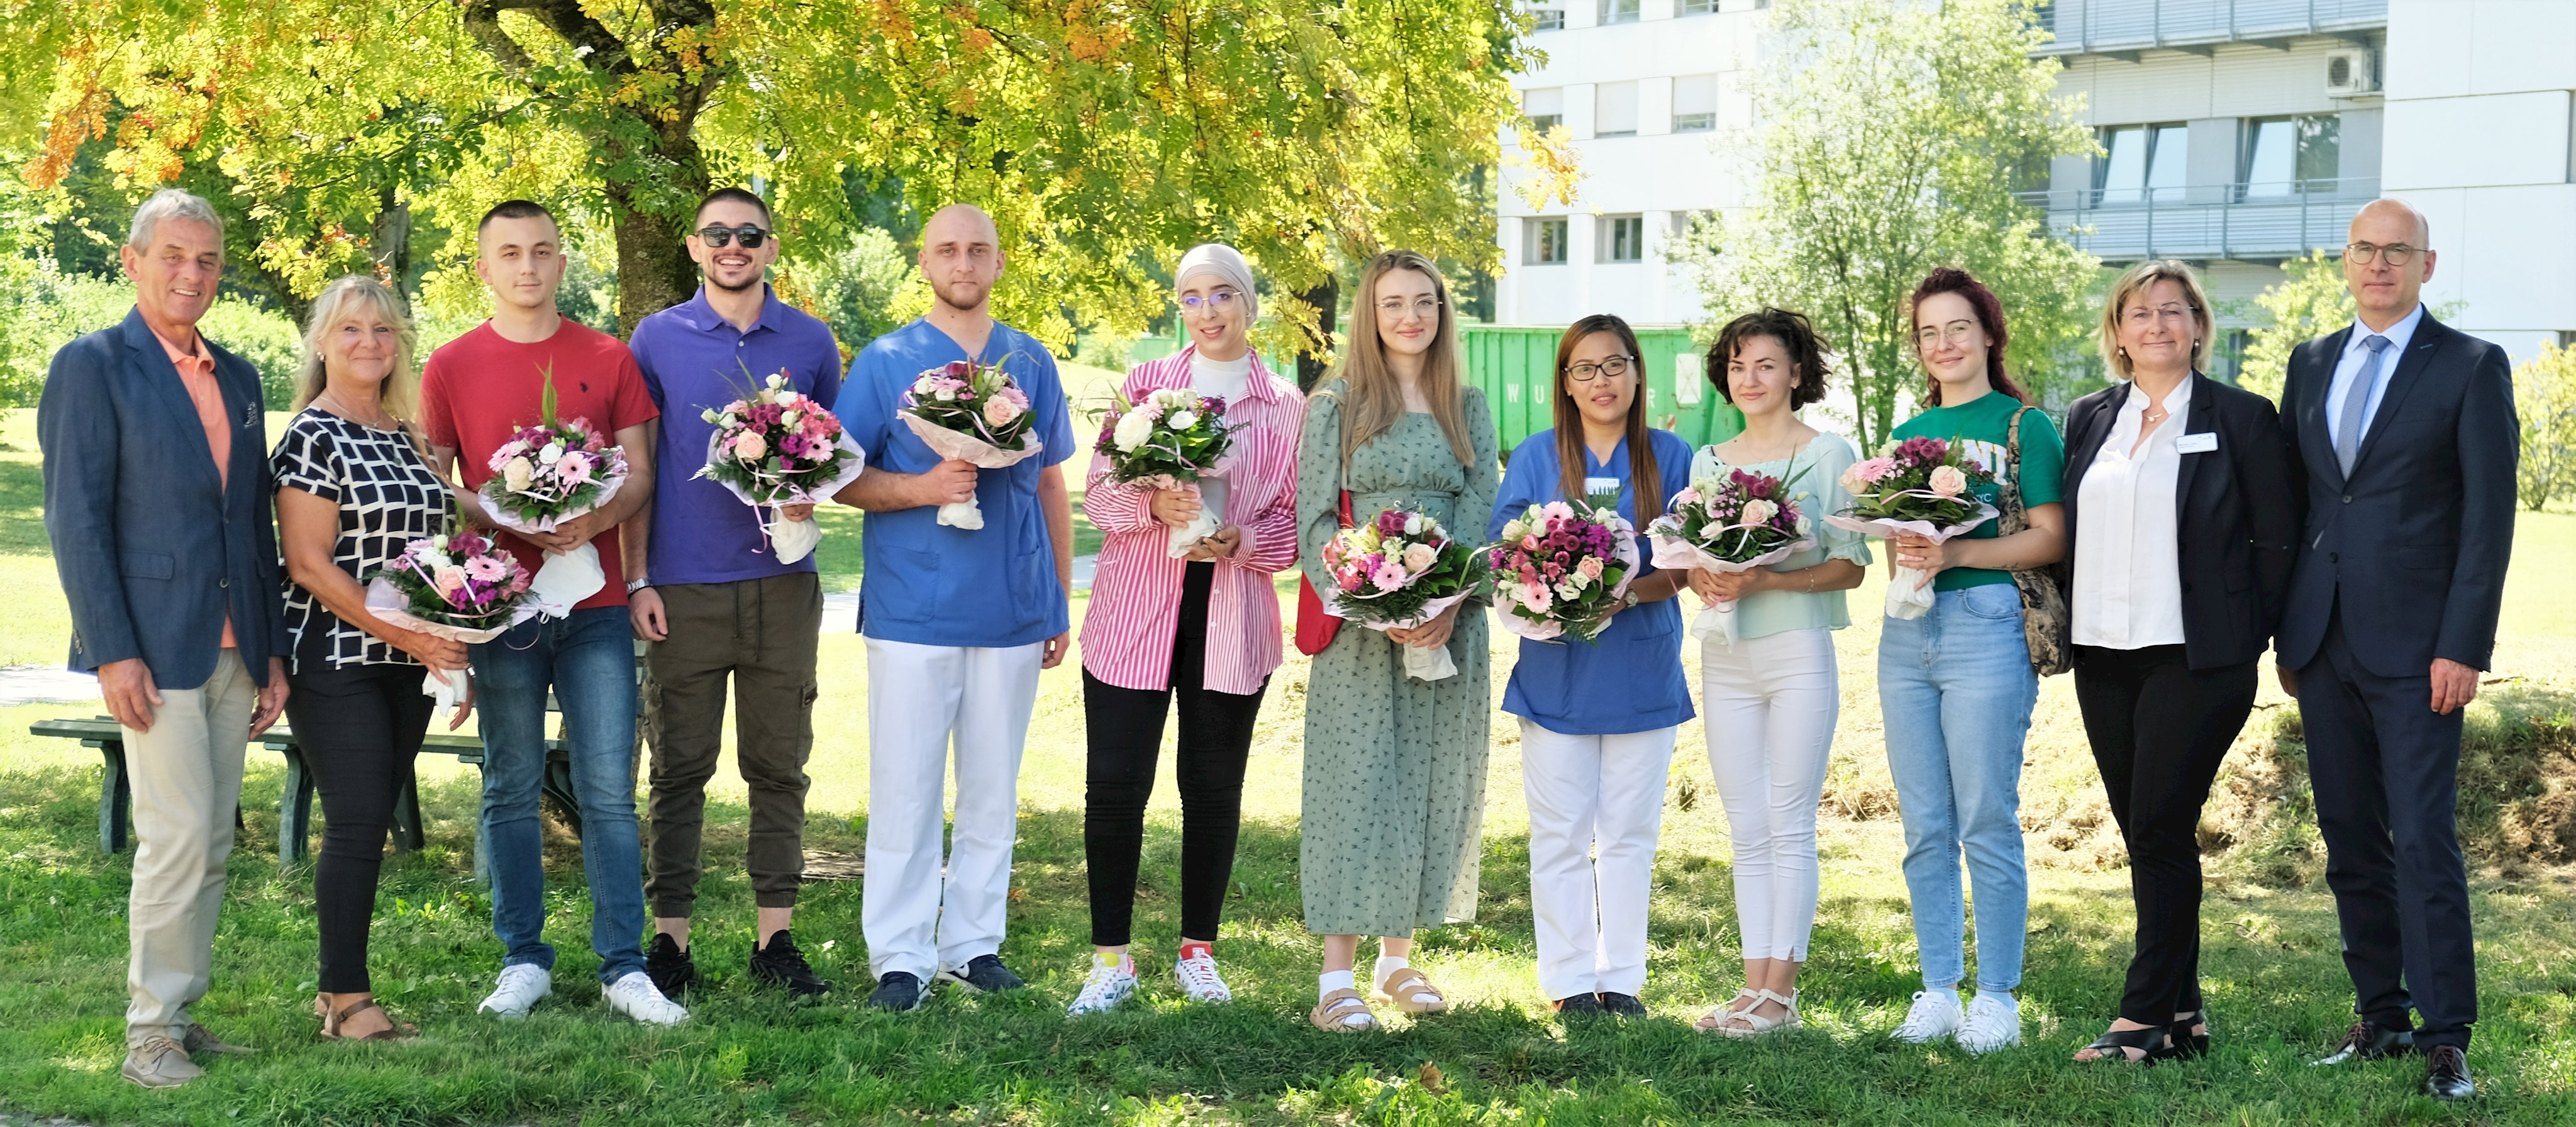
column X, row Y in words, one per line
column 1394, row 788
column 353, row 488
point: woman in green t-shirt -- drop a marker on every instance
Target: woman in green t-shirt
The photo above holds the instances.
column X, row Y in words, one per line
column 1955, row 686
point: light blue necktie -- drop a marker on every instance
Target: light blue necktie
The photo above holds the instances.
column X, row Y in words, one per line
column 2347, row 444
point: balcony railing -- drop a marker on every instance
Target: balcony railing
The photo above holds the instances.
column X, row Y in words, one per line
column 2120, row 26
column 2226, row 221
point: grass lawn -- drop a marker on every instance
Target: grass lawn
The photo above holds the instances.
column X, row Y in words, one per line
column 2270, row 959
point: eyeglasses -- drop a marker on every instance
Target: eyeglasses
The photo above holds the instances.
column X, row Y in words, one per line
column 1588, row 371
column 2394, row 254
column 1956, row 332
column 716, row 235
column 1217, row 302
column 2140, row 316
column 1426, row 308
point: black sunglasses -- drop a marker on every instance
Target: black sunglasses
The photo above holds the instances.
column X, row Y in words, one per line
column 716, row 236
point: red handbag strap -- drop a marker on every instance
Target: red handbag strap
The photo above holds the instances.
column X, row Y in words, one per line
column 1346, row 509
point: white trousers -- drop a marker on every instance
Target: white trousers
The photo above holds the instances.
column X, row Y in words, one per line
column 186, row 774
column 1595, row 806
column 921, row 699
column 1770, row 703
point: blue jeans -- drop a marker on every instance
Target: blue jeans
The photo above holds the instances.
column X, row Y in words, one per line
column 1956, row 689
column 589, row 660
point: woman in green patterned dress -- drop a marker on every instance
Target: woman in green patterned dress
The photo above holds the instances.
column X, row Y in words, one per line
column 1395, row 767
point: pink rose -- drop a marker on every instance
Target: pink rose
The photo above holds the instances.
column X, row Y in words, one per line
column 1000, row 410
column 749, row 447
column 1590, row 568
column 1948, row 481
column 1419, row 558
column 448, row 578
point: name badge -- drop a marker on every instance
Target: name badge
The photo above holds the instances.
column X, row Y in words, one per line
column 2201, row 443
column 1609, row 485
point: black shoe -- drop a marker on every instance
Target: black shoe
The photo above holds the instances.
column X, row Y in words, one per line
column 983, row 974
column 2446, row 1074
column 1580, row 1005
column 2185, row 1042
column 2369, row 1040
column 781, row 964
column 670, row 968
column 1617, row 1004
column 2152, row 1044
column 900, row 992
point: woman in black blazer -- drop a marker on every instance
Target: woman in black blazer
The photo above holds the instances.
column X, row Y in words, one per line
column 2181, row 513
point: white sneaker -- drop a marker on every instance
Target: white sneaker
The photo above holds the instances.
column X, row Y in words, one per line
column 520, row 986
column 1994, row 1021
column 1104, row 989
column 1933, row 1016
column 1198, row 978
column 635, row 996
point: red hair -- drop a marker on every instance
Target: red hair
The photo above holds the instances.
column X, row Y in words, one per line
column 1990, row 317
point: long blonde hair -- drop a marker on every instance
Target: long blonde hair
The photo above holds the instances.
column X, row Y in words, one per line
column 1374, row 397
column 400, row 393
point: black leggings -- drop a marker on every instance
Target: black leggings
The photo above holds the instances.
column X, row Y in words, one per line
column 2159, row 730
column 1126, row 737
column 359, row 728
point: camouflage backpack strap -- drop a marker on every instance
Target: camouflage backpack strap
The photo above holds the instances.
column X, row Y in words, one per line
column 2046, row 621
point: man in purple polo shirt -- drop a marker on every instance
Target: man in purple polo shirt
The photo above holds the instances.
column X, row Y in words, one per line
column 707, row 591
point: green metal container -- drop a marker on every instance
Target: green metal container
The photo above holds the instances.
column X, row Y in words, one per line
column 1516, row 366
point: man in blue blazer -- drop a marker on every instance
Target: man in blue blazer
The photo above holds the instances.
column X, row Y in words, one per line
column 2407, row 431
column 157, row 497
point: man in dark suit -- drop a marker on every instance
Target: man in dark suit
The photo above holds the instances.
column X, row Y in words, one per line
column 157, row 498
column 2407, row 431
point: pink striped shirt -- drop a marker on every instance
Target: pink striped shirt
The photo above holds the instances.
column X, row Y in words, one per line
column 1136, row 590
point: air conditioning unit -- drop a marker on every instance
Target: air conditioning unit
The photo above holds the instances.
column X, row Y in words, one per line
column 2351, row 72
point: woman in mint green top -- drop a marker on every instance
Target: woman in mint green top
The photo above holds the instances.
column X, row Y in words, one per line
column 1771, row 693
column 1955, row 686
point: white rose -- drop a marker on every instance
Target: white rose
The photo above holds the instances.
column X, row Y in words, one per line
column 1184, row 420
column 1133, row 428
column 551, row 454
column 787, row 418
column 514, row 474
column 1413, row 524
column 1948, row 481
column 921, row 386
column 946, row 395
column 709, row 414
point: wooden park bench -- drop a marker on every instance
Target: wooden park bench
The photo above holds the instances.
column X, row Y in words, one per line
column 295, row 800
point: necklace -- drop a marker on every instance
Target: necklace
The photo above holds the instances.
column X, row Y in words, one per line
column 329, row 400
column 2154, row 415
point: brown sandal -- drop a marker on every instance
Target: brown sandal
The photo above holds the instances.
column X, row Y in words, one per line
column 331, row 1022
column 1334, row 1012
column 1404, row 986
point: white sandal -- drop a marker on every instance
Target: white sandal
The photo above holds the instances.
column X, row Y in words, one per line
column 1718, row 1016
column 1754, row 1024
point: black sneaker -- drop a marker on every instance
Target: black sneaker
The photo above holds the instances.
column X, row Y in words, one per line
column 983, row 974
column 781, row 964
column 1621, row 1005
column 900, row 992
column 670, row 968
column 1579, row 1005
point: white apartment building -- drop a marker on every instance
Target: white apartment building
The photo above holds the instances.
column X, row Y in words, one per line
column 2235, row 134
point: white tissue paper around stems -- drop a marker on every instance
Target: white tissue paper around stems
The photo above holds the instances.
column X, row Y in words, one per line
column 966, row 447
column 387, row 603
column 1422, row 663
column 1717, row 620
column 1209, row 523
column 563, row 578
column 1909, row 594
column 793, row 540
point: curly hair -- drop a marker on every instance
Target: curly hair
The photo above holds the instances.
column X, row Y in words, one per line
column 1797, row 337
column 1990, row 317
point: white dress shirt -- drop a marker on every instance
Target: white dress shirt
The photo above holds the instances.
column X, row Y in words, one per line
column 2354, row 366
column 2128, row 567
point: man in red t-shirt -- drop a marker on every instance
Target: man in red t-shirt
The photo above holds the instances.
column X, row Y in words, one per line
column 475, row 392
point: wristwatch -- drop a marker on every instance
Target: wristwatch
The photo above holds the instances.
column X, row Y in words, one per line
column 1630, row 600
column 634, row 585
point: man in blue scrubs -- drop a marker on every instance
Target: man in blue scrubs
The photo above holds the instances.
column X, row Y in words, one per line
column 958, row 623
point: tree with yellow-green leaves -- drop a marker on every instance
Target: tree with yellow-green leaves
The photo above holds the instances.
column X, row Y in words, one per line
column 2544, row 398
column 1104, row 135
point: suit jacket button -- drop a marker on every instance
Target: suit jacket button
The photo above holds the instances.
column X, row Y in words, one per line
column 224, row 582
column 2347, row 498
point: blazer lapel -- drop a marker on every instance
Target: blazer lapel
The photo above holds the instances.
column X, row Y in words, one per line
column 151, row 365
column 2316, row 442
column 2410, row 371
column 2200, row 417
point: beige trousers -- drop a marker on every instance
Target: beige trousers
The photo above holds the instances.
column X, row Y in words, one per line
column 186, row 774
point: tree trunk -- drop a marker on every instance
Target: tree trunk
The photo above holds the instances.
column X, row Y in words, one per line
column 1324, row 299
column 653, row 268
column 389, row 242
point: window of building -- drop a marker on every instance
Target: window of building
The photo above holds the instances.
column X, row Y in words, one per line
column 1623, row 238
column 1621, row 11
column 1697, row 7
column 1543, row 240
column 2141, row 164
column 1545, row 107
column 2288, row 155
column 1614, row 109
column 1695, row 103
column 1547, row 17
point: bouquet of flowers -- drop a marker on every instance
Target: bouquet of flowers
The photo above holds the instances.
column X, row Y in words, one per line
column 1562, row 568
column 548, row 474
column 972, row 412
column 1920, row 486
column 776, row 446
column 1170, row 439
column 462, row 588
column 1400, row 571
column 1738, row 523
